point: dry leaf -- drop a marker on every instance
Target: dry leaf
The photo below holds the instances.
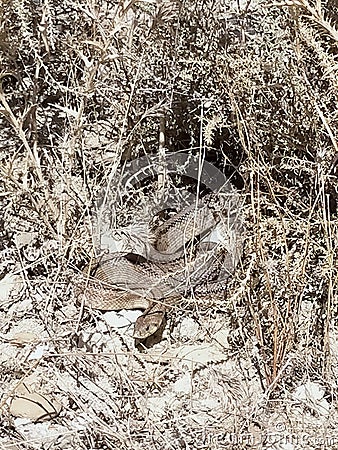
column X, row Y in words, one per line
column 34, row 406
column 23, row 338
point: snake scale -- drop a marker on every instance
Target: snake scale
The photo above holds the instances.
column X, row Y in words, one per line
column 173, row 265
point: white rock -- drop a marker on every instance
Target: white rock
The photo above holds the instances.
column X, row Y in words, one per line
column 188, row 328
column 9, row 285
column 309, row 391
column 312, row 394
column 39, row 351
column 122, row 318
column 183, row 385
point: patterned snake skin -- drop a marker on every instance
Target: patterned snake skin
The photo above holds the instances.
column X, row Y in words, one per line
column 173, row 266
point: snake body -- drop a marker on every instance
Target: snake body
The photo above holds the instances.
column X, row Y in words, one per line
column 171, row 268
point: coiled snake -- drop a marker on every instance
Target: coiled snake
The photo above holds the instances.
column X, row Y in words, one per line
column 172, row 266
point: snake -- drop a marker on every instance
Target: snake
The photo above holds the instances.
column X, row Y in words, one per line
column 173, row 266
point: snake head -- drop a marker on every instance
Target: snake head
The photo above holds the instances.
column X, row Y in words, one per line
column 149, row 323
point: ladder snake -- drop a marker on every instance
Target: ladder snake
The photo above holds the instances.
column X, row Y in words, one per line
column 173, row 265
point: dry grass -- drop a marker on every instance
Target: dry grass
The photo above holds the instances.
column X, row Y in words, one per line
column 250, row 87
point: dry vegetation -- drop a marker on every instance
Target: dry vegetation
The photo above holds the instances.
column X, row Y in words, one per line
column 252, row 87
